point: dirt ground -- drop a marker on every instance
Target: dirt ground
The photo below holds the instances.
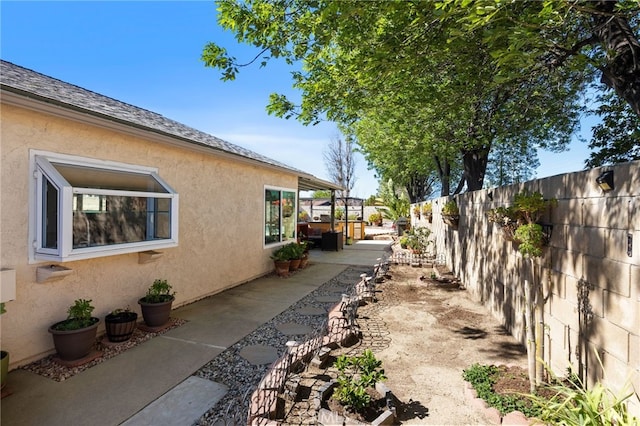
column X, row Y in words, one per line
column 426, row 332
column 436, row 331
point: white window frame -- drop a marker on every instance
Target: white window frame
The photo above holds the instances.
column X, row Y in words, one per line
column 264, row 217
column 41, row 169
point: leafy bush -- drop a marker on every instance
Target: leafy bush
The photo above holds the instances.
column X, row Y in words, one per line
column 530, row 237
column 281, row 254
column 450, row 208
column 503, row 215
column 355, row 375
column 78, row 316
column 416, row 239
column 483, row 377
column 159, row 292
column 375, row 217
column 576, row 405
column 294, row 250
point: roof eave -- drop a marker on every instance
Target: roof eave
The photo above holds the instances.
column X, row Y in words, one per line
column 16, row 97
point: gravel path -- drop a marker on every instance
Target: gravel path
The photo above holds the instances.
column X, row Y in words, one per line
column 241, row 377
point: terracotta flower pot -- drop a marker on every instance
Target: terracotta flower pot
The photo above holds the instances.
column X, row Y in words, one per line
column 282, row 267
column 294, row 264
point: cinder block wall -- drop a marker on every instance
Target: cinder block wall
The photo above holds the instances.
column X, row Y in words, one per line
column 590, row 282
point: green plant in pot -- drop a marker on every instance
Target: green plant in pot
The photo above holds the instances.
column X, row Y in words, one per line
column 304, row 260
column 427, row 211
column 4, row 359
column 295, row 255
column 120, row 325
column 282, row 260
column 417, row 211
column 74, row 337
column 451, row 213
column 156, row 305
column 507, row 218
column 531, row 206
column 375, row 218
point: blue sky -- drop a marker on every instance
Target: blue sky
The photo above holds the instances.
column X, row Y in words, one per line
column 147, row 54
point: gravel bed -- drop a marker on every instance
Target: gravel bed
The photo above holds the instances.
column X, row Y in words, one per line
column 48, row 367
column 241, row 378
column 228, row 368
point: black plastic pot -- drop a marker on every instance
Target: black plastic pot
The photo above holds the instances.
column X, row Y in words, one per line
column 120, row 326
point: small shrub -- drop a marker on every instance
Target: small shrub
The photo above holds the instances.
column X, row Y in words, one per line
column 503, row 215
column 78, row 316
column 416, row 239
column 531, row 238
column 450, row 208
column 375, row 217
column 574, row 404
column 483, row 377
column 159, row 292
column 355, row 375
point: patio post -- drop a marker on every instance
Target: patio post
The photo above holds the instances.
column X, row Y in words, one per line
column 333, row 210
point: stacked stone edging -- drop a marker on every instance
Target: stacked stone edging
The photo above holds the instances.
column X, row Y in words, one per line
column 266, row 403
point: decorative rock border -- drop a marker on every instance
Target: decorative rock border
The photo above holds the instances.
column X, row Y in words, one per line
column 267, row 403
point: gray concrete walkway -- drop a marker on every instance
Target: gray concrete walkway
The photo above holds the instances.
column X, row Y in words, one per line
column 152, row 383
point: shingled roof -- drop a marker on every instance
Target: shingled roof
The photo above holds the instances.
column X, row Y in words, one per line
column 31, row 84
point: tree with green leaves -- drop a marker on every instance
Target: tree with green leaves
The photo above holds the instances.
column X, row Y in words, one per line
column 408, row 68
column 589, row 38
column 617, row 138
column 395, row 201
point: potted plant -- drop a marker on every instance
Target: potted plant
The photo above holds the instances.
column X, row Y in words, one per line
column 120, row 324
column 530, row 233
column 416, row 211
column 4, row 359
column 375, row 218
column 282, row 260
column 156, row 305
column 304, row 260
column 507, row 218
column 74, row 337
column 427, row 211
column 451, row 213
column 295, row 255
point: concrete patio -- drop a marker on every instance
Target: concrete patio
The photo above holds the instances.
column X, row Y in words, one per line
column 153, row 383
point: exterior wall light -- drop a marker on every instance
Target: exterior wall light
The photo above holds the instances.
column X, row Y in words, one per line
column 605, row 181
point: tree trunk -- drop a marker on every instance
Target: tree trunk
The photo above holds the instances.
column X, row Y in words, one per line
column 622, row 72
column 475, row 166
column 531, row 338
column 539, row 323
column 444, row 173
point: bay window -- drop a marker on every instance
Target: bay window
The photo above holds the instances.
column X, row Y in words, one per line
column 86, row 208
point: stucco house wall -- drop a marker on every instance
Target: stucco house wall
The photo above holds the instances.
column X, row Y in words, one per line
column 587, row 252
column 221, row 230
